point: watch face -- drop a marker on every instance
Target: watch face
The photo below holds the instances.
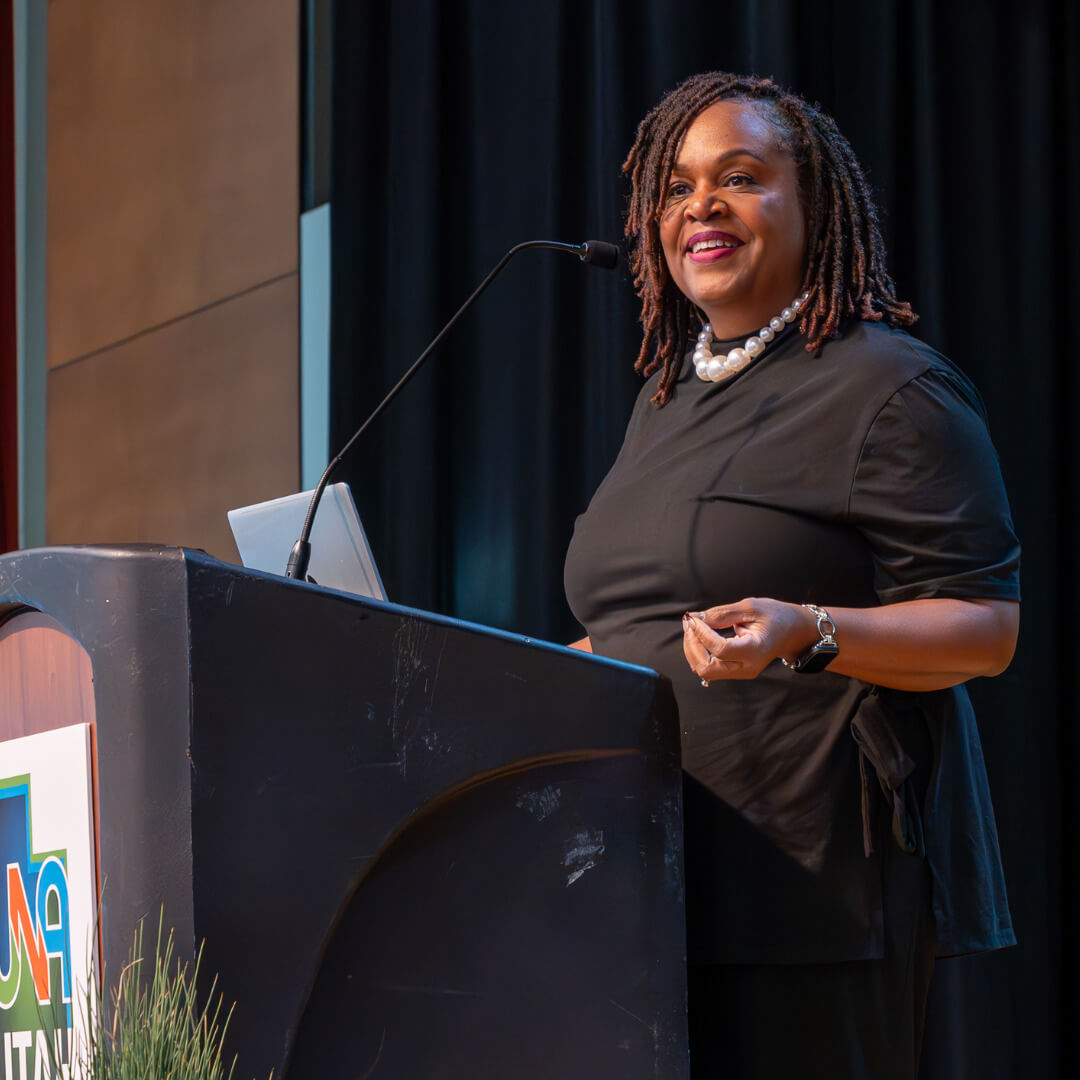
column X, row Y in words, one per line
column 818, row 658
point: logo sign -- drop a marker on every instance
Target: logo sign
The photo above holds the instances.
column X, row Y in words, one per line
column 47, row 890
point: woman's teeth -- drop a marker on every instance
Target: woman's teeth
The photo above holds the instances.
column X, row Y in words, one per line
column 706, row 245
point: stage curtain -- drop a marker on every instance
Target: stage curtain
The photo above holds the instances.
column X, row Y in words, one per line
column 9, row 505
column 463, row 128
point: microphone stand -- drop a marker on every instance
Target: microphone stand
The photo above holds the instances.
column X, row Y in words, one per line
column 592, row 251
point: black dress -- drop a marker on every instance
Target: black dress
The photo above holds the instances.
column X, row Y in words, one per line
column 860, row 477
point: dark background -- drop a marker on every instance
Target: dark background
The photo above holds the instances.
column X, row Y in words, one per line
column 462, row 128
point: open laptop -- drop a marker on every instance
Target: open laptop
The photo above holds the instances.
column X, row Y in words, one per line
column 340, row 554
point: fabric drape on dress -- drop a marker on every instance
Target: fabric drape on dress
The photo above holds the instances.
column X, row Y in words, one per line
column 463, row 128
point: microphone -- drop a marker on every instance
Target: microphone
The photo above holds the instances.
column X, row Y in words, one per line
column 595, row 252
column 599, row 253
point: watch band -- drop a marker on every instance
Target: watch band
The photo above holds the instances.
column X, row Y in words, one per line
column 822, row 652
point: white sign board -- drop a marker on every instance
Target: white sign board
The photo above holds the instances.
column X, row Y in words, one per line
column 48, row 928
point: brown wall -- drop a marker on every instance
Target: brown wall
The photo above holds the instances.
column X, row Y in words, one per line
column 172, row 266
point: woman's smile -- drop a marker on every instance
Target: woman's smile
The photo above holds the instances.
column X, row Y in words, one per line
column 711, row 245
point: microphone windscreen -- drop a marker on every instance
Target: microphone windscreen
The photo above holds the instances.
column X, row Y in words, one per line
column 601, row 253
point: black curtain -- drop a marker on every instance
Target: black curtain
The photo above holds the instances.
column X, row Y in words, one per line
column 462, row 128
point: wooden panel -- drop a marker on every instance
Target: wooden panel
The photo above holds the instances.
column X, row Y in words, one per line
column 46, row 681
column 155, row 439
column 172, row 169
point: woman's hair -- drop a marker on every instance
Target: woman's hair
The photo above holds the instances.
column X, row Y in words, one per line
column 845, row 270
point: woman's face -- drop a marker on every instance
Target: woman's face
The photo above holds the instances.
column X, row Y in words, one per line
column 731, row 224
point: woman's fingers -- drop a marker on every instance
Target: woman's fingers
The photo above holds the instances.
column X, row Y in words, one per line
column 696, row 650
column 727, row 614
column 715, row 656
column 700, row 630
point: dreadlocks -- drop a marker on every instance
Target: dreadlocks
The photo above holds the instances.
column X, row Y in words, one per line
column 845, row 272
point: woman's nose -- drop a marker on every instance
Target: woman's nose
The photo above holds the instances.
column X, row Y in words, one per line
column 704, row 205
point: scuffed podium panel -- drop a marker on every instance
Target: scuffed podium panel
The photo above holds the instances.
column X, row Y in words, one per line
column 414, row 847
column 534, row 961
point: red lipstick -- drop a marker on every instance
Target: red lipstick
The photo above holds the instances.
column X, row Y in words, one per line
column 712, row 245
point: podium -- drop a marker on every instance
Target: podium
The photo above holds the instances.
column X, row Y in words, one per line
column 413, row 847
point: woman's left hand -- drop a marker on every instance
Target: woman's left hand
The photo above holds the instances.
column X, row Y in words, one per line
column 760, row 630
column 912, row 645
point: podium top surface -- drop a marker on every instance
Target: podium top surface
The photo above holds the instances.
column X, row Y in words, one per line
column 63, row 580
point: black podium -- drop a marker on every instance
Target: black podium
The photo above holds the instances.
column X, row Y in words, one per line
column 414, row 847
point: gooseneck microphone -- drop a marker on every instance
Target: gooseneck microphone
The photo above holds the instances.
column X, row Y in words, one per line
column 595, row 252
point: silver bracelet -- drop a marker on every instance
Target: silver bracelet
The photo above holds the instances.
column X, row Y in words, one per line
column 821, row 653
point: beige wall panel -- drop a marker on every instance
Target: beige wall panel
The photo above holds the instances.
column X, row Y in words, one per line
column 155, row 439
column 46, row 678
column 172, row 160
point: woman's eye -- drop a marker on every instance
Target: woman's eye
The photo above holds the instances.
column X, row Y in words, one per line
column 739, row 180
column 677, row 190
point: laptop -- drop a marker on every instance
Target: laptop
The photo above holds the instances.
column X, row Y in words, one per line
column 340, row 554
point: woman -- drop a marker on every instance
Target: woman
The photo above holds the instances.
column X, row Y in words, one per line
column 806, row 531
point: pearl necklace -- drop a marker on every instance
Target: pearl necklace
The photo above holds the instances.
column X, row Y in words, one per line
column 712, row 368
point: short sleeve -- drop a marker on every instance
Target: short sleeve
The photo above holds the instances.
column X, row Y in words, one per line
column 928, row 496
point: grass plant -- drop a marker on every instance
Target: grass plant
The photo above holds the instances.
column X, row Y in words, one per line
column 152, row 1025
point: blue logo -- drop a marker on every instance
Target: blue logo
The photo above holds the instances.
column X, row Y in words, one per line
column 35, row 943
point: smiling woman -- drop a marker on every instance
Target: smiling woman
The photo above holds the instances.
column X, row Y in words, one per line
column 732, row 224
column 812, row 459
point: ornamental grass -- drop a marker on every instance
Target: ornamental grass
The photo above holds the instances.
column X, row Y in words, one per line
column 153, row 1026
